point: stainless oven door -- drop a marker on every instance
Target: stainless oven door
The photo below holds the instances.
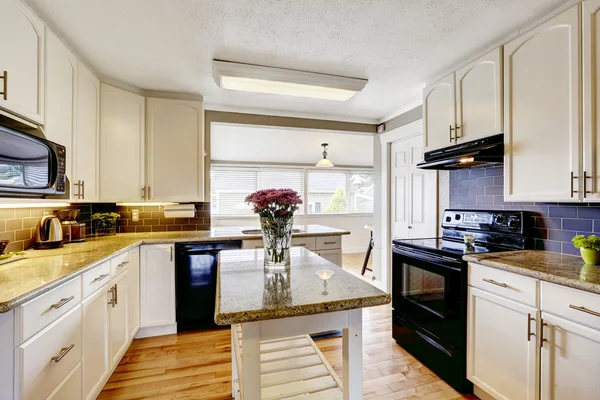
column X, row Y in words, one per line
column 429, row 290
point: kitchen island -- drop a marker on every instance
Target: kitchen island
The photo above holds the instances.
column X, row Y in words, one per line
column 266, row 309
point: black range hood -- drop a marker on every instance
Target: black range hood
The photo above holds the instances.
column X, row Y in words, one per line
column 489, row 150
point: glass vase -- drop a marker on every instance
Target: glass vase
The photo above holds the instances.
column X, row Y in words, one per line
column 277, row 240
column 105, row 228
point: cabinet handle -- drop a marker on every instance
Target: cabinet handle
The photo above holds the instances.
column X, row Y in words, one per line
column 83, row 189
column 171, row 252
column 493, row 282
column 116, row 292
column 585, row 178
column 450, row 132
column 456, row 135
column 124, row 263
column 63, row 352
column 112, row 296
column 101, row 277
column 529, row 333
column 144, row 193
column 585, row 310
column 4, row 91
column 330, row 243
column 62, row 302
column 149, row 193
column 573, row 177
column 542, row 340
column 78, row 194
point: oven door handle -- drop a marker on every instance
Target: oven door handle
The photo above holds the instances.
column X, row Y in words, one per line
column 430, row 258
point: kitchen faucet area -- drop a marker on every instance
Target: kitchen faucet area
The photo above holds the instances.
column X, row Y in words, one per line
column 299, row 200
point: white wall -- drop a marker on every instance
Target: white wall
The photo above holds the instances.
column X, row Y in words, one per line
column 246, row 143
column 356, row 242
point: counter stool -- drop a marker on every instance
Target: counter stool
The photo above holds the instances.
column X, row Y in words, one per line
column 366, row 262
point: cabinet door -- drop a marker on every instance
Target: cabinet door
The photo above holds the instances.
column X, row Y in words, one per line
column 121, row 144
column 134, row 291
column 439, row 116
column 61, row 80
column 95, row 354
column 591, row 99
column 570, row 360
column 70, row 388
column 333, row 256
column 174, row 150
column 502, row 358
column 22, row 43
column 479, row 98
column 86, row 140
column 542, row 107
column 157, row 285
column 118, row 315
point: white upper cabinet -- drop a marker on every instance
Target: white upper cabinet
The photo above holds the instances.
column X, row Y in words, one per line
column 542, row 112
column 22, row 61
column 591, row 100
column 439, row 114
column 61, row 81
column 85, row 179
column 174, row 150
column 122, row 124
column 479, row 98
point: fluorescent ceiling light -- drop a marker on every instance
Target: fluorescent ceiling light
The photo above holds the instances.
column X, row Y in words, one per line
column 287, row 82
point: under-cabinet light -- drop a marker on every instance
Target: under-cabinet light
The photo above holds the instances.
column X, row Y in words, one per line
column 466, row 160
column 33, row 205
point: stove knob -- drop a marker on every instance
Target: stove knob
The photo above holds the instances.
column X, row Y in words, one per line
column 499, row 219
column 513, row 223
column 448, row 219
column 457, row 217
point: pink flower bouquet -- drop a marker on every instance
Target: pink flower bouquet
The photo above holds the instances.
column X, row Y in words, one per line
column 274, row 202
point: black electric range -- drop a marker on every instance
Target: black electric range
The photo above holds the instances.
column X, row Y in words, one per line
column 429, row 286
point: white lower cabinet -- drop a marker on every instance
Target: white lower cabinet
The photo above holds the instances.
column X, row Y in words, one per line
column 70, row 388
column 118, row 315
column 134, row 291
column 333, row 256
column 501, row 355
column 95, row 325
column 157, row 290
column 570, row 360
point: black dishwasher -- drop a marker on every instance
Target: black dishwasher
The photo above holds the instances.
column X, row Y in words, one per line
column 196, row 282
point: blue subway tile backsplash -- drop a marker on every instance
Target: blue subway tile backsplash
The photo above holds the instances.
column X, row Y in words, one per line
column 554, row 224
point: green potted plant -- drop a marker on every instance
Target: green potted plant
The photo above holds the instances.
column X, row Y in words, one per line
column 105, row 223
column 589, row 248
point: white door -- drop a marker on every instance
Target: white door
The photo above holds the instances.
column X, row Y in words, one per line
column 423, row 194
column 61, row 80
column 118, row 317
column 591, row 99
column 22, row 43
column 479, row 98
column 86, row 140
column 413, row 191
column 157, row 285
column 95, row 356
column 502, row 358
column 570, row 360
column 542, row 112
column 439, row 116
column 122, row 125
column 134, row 291
column 175, row 150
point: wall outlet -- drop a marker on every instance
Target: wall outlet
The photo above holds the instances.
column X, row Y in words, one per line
column 135, row 215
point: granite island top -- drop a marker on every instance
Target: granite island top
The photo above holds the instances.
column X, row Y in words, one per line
column 246, row 293
column 43, row 270
column 557, row 268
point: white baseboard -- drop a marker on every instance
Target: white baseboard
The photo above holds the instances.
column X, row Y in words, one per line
column 482, row 394
column 160, row 330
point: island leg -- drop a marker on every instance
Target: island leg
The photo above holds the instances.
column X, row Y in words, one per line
column 352, row 356
column 251, row 381
column 234, row 366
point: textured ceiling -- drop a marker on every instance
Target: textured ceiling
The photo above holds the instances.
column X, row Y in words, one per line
column 168, row 45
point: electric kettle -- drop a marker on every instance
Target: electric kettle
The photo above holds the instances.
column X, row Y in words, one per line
column 48, row 234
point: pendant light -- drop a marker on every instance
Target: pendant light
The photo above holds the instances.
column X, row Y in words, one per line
column 324, row 162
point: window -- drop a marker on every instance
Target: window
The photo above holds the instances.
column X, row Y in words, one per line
column 323, row 191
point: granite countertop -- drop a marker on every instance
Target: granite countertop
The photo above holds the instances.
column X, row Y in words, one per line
column 561, row 269
column 43, row 270
column 246, row 293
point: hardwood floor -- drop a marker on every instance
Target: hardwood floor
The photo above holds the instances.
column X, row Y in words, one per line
column 197, row 365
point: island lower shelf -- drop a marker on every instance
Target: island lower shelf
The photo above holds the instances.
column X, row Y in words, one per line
column 290, row 367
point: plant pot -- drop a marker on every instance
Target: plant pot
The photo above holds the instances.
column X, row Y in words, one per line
column 277, row 240
column 590, row 256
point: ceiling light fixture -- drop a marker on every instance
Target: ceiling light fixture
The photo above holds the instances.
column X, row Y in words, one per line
column 286, row 82
column 324, row 162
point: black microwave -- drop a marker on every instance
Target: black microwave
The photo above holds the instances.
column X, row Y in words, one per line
column 30, row 166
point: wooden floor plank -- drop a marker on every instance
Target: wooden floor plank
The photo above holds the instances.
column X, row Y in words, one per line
column 197, row 365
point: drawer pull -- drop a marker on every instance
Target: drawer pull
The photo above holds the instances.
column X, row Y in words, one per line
column 330, row 243
column 63, row 352
column 4, row 91
column 116, row 292
column 62, row 302
column 124, row 263
column 542, row 340
column 585, row 310
column 101, row 277
column 529, row 333
column 493, row 282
